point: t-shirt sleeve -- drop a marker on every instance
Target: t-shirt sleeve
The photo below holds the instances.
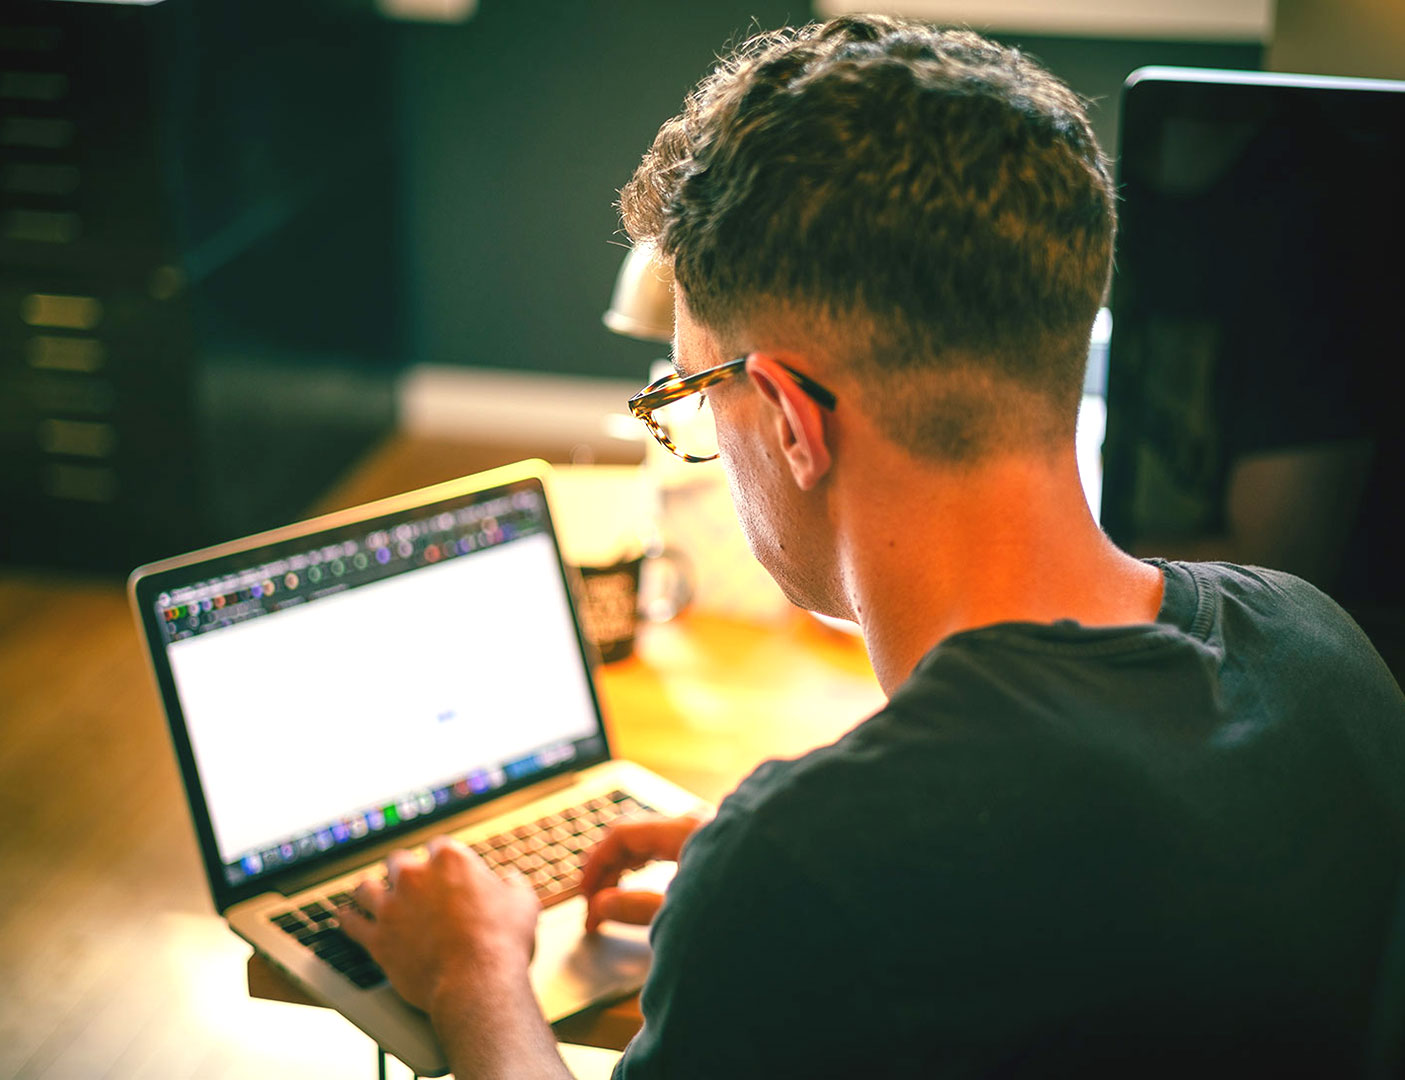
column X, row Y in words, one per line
column 739, row 984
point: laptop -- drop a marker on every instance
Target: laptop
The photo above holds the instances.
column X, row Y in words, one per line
column 369, row 679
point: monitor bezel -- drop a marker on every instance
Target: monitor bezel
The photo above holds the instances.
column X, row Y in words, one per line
column 1148, row 94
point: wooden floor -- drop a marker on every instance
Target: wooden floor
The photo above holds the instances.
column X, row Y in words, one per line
column 112, row 961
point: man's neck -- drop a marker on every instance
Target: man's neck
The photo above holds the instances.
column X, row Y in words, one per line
column 935, row 551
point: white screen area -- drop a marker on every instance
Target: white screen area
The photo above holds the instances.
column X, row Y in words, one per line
column 306, row 715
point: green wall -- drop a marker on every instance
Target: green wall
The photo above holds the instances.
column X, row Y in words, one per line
column 519, row 126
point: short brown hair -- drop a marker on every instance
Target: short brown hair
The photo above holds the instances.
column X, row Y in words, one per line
column 934, row 194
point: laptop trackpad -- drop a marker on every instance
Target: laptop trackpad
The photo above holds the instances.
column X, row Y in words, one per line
column 572, row 970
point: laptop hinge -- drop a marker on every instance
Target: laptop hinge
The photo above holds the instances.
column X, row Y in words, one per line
column 454, row 823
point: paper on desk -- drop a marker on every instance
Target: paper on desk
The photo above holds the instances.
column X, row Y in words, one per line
column 603, row 513
column 588, row 1062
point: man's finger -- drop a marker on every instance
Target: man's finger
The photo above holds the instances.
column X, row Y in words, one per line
column 600, row 872
column 627, row 846
column 637, row 906
column 357, row 926
column 368, row 897
column 394, row 863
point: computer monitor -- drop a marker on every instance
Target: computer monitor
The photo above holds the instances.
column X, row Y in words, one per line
column 1256, row 340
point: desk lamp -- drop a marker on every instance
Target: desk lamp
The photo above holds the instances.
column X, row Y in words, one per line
column 642, row 303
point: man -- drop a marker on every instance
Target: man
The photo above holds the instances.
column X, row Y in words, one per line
column 1118, row 815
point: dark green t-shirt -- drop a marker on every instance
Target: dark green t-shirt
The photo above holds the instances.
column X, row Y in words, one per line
column 1162, row 849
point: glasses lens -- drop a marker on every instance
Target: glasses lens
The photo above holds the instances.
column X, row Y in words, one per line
column 688, row 424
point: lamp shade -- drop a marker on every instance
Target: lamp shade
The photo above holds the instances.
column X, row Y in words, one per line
column 642, row 303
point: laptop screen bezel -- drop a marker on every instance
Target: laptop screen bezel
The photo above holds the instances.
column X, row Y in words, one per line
column 147, row 583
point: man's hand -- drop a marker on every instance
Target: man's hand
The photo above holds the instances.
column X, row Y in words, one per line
column 441, row 925
column 455, row 941
column 628, row 846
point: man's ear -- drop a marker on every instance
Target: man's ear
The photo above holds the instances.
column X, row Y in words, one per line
column 799, row 420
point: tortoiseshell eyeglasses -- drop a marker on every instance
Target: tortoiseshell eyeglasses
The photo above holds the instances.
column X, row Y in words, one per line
column 675, row 409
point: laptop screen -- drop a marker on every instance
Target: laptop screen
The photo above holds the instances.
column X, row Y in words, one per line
column 343, row 686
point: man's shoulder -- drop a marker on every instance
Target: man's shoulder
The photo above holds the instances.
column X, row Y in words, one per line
column 1276, row 595
column 1281, row 621
column 822, row 791
column 1238, row 579
column 898, row 778
column 779, row 792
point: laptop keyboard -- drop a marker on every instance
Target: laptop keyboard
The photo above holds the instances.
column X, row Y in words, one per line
column 549, row 853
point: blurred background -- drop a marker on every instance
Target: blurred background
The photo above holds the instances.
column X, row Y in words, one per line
column 261, row 257
column 242, row 241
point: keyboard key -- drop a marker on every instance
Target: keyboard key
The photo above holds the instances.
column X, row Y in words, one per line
column 366, row 977
column 551, row 850
column 289, row 921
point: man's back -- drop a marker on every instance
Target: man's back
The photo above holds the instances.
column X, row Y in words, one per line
column 1159, row 848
